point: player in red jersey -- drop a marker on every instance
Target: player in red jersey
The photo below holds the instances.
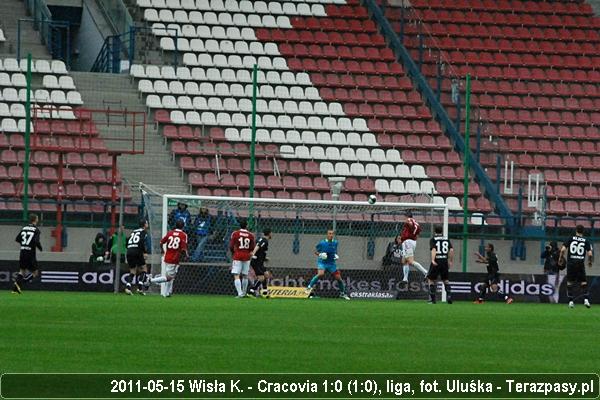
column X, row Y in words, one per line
column 409, row 235
column 176, row 242
column 241, row 245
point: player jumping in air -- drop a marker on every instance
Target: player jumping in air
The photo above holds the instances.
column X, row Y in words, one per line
column 259, row 257
column 29, row 240
column 409, row 235
column 326, row 252
column 176, row 242
column 136, row 258
column 241, row 245
column 493, row 275
column 573, row 252
column 442, row 257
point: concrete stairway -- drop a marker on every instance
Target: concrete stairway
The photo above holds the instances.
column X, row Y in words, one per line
column 156, row 167
column 10, row 12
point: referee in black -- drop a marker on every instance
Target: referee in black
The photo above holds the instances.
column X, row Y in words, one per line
column 29, row 240
column 259, row 256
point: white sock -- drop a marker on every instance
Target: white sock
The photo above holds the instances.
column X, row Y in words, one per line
column 169, row 287
column 244, row 285
column 158, row 279
column 238, row 286
column 406, row 269
column 419, row 266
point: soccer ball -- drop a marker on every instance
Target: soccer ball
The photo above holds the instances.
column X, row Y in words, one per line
column 323, row 256
column 372, row 199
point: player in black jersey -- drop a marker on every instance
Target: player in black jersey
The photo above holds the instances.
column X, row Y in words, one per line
column 574, row 252
column 493, row 275
column 442, row 257
column 259, row 256
column 29, row 240
column 136, row 257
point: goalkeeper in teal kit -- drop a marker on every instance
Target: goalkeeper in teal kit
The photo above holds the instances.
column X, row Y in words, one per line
column 326, row 252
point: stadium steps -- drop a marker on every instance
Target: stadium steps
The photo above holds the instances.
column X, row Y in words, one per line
column 156, row 166
column 11, row 11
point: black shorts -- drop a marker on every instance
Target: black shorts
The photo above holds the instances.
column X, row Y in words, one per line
column 258, row 268
column 28, row 261
column 576, row 273
column 135, row 260
column 440, row 270
column 493, row 279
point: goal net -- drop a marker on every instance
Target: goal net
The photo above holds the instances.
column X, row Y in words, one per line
column 363, row 231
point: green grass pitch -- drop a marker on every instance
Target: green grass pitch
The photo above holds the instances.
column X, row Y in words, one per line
column 90, row 332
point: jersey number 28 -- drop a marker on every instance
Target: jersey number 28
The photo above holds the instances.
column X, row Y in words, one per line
column 173, row 242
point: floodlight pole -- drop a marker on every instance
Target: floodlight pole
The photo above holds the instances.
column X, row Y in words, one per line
column 27, row 142
column 119, row 235
column 466, row 176
column 253, row 146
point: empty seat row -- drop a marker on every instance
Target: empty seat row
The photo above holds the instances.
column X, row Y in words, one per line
column 223, row 18
column 568, row 8
column 17, row 110
column 398, row 186
column 370, row 170
column 12, row 80
column 507, row 32
column 345, row 154
column 77, row 127
column 208, row 89
column 268, row 120
column 234, row 61
column 38, row 157
column 317, row 37
column 219, row 46
column 95, row 175
column 306, row 137
column 509, row 19
column 62, row 82
column 12, row 95
column 37, row 66
column 218, row 75
column 247, row 7
column 215, row 104
column 214, row 32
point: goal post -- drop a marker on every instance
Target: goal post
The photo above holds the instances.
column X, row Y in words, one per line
column 363, row 231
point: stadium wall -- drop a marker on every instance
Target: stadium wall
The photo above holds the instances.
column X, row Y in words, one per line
column 90, row 37
column 362, row 284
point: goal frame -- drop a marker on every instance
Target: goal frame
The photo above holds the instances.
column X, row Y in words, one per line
column 247, row 200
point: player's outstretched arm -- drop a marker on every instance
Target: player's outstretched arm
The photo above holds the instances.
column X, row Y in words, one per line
column 590, row 255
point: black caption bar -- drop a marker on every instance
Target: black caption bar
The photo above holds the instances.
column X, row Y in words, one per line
column 299, row 386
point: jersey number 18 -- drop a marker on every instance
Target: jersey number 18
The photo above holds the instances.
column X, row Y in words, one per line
column 244, row 243
column 442, row 247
